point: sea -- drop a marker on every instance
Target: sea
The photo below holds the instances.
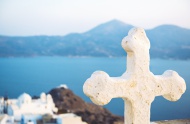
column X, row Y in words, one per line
column 41, row 74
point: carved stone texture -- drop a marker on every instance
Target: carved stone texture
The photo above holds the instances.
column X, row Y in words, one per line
column 137, row 86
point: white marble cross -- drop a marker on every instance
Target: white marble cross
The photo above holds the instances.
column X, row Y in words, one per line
column 137, row 86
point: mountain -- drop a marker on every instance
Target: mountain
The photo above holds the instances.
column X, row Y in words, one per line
column 167, row 41
column 113, row 27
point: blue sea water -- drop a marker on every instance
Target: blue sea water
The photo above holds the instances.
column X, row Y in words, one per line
column 41, row 74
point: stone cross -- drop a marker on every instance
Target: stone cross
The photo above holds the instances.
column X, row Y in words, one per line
column 137, row 86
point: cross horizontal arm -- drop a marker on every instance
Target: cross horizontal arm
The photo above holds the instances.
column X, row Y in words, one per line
column 101, row 88
column 170, row 85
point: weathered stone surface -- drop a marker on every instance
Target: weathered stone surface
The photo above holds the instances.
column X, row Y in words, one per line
column 137, row 86
column 66, row 101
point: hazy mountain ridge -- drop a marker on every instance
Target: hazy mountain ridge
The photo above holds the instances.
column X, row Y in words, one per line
column 167, row 41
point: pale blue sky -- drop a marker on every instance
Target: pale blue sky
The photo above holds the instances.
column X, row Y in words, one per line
column 60, row 17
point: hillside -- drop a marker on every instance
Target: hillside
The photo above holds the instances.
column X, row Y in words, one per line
column 66, row 101
column 167, row 41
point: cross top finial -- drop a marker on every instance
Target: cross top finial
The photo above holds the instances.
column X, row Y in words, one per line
column 136, row 41
column 137, row 46
column 137, row 86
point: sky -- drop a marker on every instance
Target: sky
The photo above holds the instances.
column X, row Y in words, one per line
column 61, row 17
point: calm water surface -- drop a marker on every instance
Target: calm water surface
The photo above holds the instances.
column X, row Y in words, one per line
column 41, row 74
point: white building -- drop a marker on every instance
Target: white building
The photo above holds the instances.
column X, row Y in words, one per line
column 69, row 118
column 30, row 110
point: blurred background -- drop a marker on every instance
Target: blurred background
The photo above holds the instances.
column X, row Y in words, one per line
column 45, row 43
